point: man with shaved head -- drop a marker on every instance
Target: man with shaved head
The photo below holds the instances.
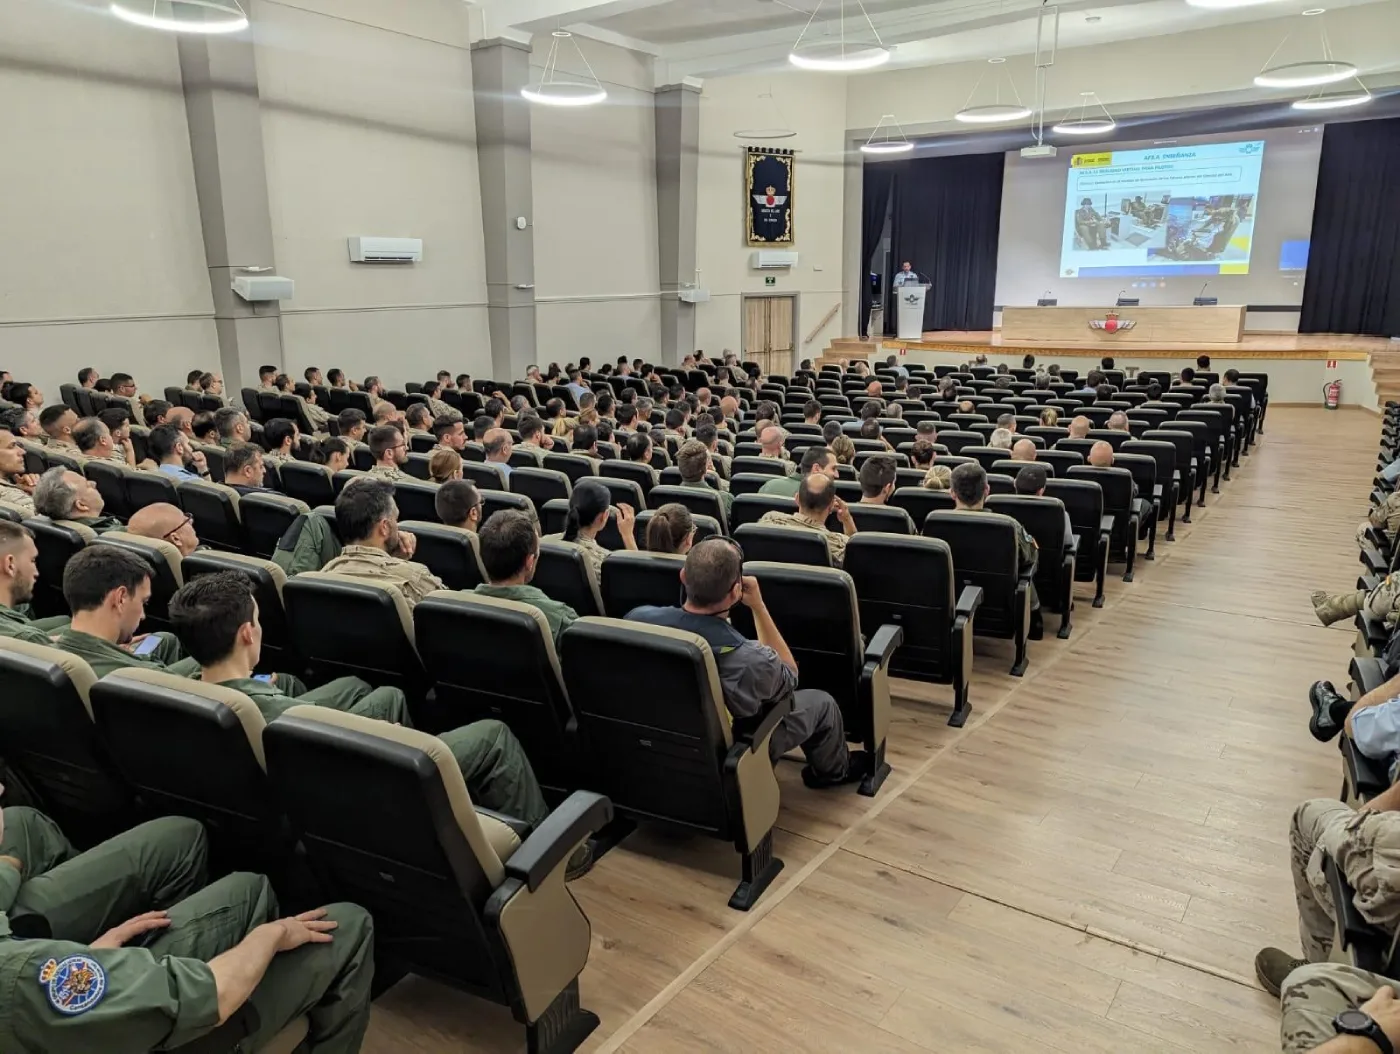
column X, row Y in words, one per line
column 1023, row 450
column 816, row 500
column 770, row 441
column 166, row 523
column 1101, row 455
column 1118, row 422
column 1079, row 428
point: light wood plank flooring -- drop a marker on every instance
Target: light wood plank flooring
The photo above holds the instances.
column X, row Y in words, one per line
column 1088, row 866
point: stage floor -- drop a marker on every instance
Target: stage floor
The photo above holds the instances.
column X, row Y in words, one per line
column 1253, row 345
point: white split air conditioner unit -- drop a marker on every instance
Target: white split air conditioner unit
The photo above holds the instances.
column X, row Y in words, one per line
column 386, row 250
column 773, row 259
column 259, row 287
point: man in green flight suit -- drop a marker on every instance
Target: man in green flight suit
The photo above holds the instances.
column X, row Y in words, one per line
column 510, row 548
column 19, row 571
column 123, row 949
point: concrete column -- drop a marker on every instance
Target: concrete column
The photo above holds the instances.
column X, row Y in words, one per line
column 221, row 107
column 677, row 109
column 500, row 68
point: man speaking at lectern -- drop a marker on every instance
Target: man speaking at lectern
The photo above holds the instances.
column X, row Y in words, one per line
column 906, row 276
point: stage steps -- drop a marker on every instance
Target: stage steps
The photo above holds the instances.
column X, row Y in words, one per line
column 1385, row 371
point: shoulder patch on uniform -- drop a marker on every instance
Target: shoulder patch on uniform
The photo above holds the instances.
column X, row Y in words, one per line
column 75, row 985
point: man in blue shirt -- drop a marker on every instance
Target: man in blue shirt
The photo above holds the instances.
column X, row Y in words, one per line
column 1373, row 721
column 170, row 448
column 578, row 390
column 498, row 446
column 906, row 276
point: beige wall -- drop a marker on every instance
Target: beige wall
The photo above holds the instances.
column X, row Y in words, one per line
column 813, row 106
column 594, row 176
column 104, row 263
column 368, row 129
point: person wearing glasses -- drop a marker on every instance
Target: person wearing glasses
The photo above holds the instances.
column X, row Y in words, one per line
column 755, row 673
column 165, row 523
column 390, row 452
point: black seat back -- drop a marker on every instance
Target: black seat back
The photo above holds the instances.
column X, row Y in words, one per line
column 563, row 573
column 887, row 518
column 628, row 470
column 493, row 501
column 149, row 488
column 634, row 579
column 266, row 518
column 417, row 501
column 918, row 502
column 111, row 484
column 308, row 483
column 1044, row 519
column 450, row 553
column 784, row 545
column 539, row 485
column 907, row 582
column 985, row 553
column 216, row 514
column 267, row 580
column 700, row 502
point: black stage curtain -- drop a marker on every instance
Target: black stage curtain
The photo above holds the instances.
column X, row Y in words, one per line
column 878, row 187
column 946, row 222
column 1353, row 283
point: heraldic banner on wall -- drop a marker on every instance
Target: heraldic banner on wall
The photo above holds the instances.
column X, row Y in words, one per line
column 768, row 190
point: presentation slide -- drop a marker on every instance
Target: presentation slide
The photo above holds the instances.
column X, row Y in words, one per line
column 1161, row 219
column 1170, row 210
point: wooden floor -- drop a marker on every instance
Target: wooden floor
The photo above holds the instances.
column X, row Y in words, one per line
column 1088, row 866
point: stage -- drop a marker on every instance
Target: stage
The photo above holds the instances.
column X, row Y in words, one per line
column 1251, row 346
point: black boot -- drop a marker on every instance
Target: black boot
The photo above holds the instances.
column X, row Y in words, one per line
column 1037, row 628
column 1330, row 709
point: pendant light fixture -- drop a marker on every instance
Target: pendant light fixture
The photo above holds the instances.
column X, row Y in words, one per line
column 1321, row 100
column 552, row 90
column 777, row 127
column 995, row 112
column 1097, row 121
column 182, row 16
column 840, row 54
column 1310, row 72
column 887, row 140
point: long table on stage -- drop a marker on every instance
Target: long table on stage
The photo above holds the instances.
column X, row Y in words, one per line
column 1219, row 324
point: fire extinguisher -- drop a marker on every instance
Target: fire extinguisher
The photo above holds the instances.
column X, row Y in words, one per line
column 1332, row 394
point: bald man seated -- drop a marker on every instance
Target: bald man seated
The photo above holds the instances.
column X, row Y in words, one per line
column 1023, row 450
column 1101, row 456
column 1079, row 428
column 165, row 522
column 1118, row 422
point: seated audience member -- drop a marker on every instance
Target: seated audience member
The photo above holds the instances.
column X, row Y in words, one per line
column 1079, row 428
column 589, row 508
column 877, row 478
column 922, row 453
column 534, row 440
column 694, row 463
column 25, row 395
column 19, row 571
column 459, row 505
column 1383, row 517
column 1001, row 439
column 1101, row 455
column 812, row 412
column 194, row 956
column 386, row 413
column 1030, row 483
column 1008, row 422
column 1023, row 450
column 444, row 466
column 418, row 419
column 638, row 449
column 585, row 443
column 671, row 530
column 510, row 549
column 173, row 454
column 814, row 459
column 15, row 486
column 1118, row 421
column 332, row 452
column 1186, row 379
column 243, row 468
column 626, row 417
column 770, row 441
column 754, row 674
column 1050, row 417
column 870, row 429
column 1203, row 362
column 389, row 449
column 367, row 520
column 58, row 423
column 63, row 494
column 266, row 376
column 970, row 491
column 281, row 437
column 436, row 407
column 203, row 429
column 319, row 418
column 830, row 431
column 212, row 384
column 1103, row 393
column 1091, row 384
column 233, row 426
column 1106, row 363
column 350, row 423
column 498, row 445
column 115, row 446
column 192, row 381
column 967, row 406
column 25, row 426
column 450, row 433
column 708, row 435
column 336, row 378
column 816, row 500
column 161, row 521
column 312, row 376
column 844, row 450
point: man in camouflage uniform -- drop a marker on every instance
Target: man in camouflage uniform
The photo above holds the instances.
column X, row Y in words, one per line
column 1379, row 603
column 1314, row 995
column 12, row 495
column 375, row 549
column 389, row 449
column 1383, row 517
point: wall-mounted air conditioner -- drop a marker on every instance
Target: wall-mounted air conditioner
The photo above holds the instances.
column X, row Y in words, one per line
column 385, row 250
column 773, row 259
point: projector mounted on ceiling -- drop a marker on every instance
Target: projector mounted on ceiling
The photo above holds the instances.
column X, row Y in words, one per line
column 1039, row 150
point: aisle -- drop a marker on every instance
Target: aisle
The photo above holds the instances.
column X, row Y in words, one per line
column 1089, row 865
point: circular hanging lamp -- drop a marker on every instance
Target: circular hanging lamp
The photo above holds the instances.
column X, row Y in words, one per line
column 1309, row 72
column 893, row 141
column 778, row 130
column 997, row 112
column 554, row 91
column 1319, row 100
column 1087, row 123
column 182, row 16
column 839, row 55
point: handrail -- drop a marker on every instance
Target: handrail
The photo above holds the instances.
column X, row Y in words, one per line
column 822, row 324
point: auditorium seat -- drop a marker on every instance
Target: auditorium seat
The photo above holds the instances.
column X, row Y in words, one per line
column 494, row 501
column 1044, row 519
column 887, row 518
column 1186, row 466
column 671, row 753
column 918, row 502
column 53, row 746
column 538, row 484
column 111, row 480
column 451, row 553
column 485, row 476
column 416, row 501
column 1149, row 500
column 307, row 483
column 623, row 492
column 1118, row 504
column 1164, row 454
column 150, row 488
column 574, row 466
column 752, row 463
column 493, row 659
column 564, row 574
column 628, row 470
column 705, row 527
column 216, row 514
column 985, row 553
column 635, row 579
column 700, row 502
column 1355, row 941
column 471, row 900
column 1083, row 501
column 787, row 545
column 955, row 441
column 266, row 518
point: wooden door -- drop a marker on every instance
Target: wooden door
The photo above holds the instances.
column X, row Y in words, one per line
column 769, row 332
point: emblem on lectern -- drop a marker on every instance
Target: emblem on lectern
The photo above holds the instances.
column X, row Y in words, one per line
column 1111, row 323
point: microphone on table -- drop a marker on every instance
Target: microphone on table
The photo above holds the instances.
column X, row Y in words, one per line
column 1202, row 300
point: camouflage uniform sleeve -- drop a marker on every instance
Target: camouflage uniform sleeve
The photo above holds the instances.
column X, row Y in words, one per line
column 418, row 582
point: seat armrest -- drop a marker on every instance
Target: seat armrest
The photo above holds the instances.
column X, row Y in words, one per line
column 1367, row 673
column 751, row 731
column 582, row 813
column 522, row 828
column 882, row 645
column 1368, row 582
column 1157, row 490
column 1368, row 945
column 1106, row 525
column 1072, row 546
column 1374, row 561
column 1367, row 777
column 969, row 600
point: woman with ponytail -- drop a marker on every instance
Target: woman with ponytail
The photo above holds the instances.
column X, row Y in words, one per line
column 671, row 530
column 588, row 515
